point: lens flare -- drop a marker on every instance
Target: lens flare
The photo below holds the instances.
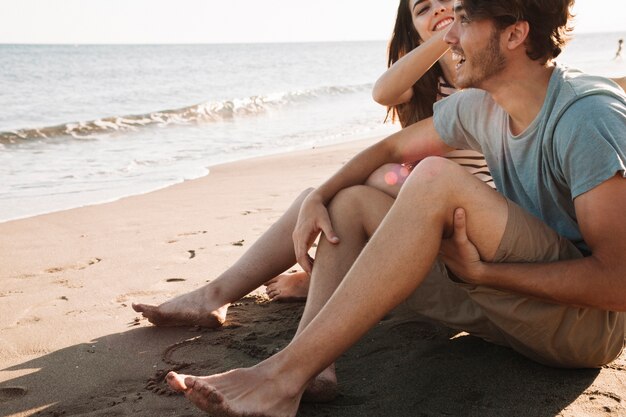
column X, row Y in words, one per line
column 391, row 178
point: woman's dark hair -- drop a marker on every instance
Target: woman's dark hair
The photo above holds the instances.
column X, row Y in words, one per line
column 548, row 20
column 404, row 39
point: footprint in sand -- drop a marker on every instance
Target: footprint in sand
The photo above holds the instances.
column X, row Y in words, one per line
column 8, row 293
column 255, row 211
column 76, row 267
column 29, row 320
column 25, row 276
column 609, row 402
column 135, row 295
column 193, row 252
column 198, row 232
column 235, row 243
column 10, row 393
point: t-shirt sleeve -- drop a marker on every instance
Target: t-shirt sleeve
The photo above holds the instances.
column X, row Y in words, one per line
column 456, row 120
column 590, row 142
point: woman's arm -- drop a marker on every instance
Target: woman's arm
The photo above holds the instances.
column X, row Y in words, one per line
column 395, row 86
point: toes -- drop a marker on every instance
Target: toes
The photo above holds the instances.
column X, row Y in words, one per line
column 272, row 281
column 145, row 309
column 204, row 396
column 150, row 312
column 177, row 381
column 139, row 308
column 272, row 292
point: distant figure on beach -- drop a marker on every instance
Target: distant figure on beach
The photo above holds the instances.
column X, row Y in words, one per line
column 421, row 72
column 536, row 266
column 618, row 54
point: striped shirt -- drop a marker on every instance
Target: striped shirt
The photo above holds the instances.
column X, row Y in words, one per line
column 474, row 162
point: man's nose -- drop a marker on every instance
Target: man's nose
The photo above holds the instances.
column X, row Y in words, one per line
column 451, row 37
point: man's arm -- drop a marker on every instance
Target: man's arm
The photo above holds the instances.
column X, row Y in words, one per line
column 412, row 143
column 597, row 281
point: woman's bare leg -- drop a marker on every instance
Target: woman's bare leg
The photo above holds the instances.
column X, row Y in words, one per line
column 293, row 287
column 207, row 306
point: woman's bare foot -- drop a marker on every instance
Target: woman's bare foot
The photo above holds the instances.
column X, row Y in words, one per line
column 242, row 392
column 197, row 308
column 288, row 287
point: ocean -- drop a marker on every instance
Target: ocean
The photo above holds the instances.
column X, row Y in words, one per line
column 85, row 124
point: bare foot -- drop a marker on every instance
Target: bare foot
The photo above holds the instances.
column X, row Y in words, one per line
column 242, row 392
column 288, row 287
column 323, row 388
column 196, row 308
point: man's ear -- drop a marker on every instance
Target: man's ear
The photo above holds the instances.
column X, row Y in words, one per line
column 517, row 34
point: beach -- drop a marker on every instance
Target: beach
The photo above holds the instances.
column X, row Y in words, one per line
column 70, row 343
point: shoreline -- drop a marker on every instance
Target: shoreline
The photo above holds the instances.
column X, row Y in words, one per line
column 70, row 344
column 277, row 153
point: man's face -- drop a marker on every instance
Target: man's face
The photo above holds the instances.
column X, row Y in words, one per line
column 476, row 49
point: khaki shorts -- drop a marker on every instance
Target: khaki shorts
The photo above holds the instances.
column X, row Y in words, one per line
column 549, row 333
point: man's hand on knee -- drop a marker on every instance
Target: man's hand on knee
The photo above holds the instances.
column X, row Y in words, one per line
column 459, row 254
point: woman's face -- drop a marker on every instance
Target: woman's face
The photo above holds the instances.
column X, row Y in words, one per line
column 431, row 16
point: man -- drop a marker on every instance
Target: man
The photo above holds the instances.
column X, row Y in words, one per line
column 538, row 268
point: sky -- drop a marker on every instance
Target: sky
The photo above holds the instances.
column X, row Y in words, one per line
column 230, row 21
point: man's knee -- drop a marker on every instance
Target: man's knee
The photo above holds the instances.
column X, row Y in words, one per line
column 436, row 172
column 437, row 180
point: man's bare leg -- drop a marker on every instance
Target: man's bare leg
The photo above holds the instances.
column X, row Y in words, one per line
column 392, row 265
column 355, row 214
column 207, row 306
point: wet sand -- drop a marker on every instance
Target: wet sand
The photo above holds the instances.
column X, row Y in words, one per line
column 71, row 345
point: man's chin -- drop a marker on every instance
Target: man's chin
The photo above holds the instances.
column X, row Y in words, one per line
column 462, row 82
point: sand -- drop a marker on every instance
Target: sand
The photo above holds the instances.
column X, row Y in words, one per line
column 71, row 345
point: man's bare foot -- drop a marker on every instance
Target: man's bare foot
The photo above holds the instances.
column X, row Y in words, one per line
column 288, row 287
column 323, row 388
column 242, row 392
column 195, row 308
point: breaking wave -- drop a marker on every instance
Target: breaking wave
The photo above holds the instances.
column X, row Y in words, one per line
column 204, row 112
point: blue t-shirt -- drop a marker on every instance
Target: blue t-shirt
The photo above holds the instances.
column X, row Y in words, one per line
column 576, row 142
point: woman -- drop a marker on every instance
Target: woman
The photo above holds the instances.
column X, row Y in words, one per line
column 421, row 71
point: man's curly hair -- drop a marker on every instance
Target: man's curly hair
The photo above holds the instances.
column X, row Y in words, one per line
column 549, row 21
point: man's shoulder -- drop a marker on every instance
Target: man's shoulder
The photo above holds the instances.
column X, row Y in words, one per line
column 575, row 85
column 579, row 101
column 589, row 108
column 590, row 124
